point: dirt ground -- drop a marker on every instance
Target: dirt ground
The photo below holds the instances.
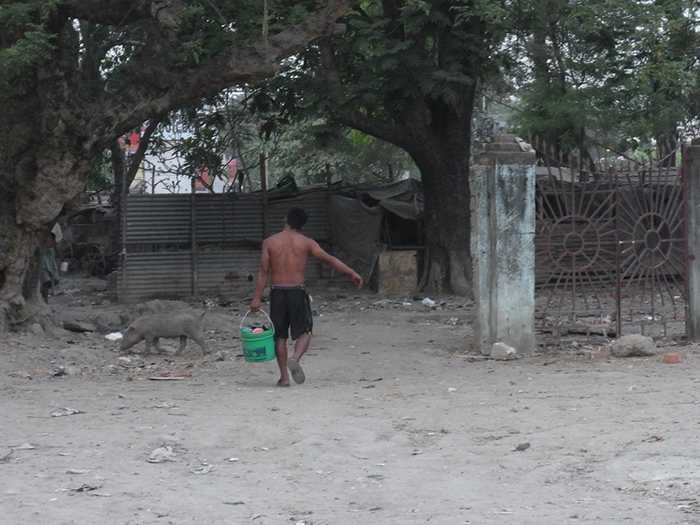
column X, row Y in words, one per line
column 396, row 424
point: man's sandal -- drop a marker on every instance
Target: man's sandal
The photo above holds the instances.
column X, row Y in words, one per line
column 297, row 372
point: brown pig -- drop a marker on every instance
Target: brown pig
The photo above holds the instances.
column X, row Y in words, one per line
column 151, row 328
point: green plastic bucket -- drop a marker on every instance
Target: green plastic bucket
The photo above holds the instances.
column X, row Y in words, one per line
column 260, row 347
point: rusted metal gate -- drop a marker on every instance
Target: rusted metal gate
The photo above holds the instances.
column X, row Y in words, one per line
column 611, row 251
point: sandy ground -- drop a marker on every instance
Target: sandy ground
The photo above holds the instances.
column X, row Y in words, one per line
column 396, row 424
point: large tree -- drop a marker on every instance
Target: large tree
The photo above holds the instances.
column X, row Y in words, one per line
column 77, row 74
column 625, row 80
column 407, row 72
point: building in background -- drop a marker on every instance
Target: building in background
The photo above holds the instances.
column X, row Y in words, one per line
column 162, row 174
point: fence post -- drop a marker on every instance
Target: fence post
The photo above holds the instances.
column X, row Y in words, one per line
column 193, row 236
column 692, row 182
column 503, row 248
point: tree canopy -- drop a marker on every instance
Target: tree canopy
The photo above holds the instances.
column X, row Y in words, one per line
column 616, row 74
column 407, row 72
column 77, row 74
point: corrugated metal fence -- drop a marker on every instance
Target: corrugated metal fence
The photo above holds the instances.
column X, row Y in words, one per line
column 184, row 244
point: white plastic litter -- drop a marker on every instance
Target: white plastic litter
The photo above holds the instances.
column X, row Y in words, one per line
column 428, row 302
column 162, row 454
column 114, row 336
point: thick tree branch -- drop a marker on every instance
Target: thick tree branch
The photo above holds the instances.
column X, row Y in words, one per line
column 137, row 158
column 158, row 90
column 393, row 134
column 387, row 132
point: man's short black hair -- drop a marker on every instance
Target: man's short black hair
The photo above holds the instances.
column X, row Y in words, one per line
column 296, row 218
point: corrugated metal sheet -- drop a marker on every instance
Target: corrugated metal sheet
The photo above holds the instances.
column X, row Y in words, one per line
column 214, row 218
column 316, row 205
column 144, row 276
column 247, row 215
column 223, row 269
column 228, row 230
column 161, row 219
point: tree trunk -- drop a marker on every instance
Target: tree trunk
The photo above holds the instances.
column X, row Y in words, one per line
column 444, row 168
column 19, row 297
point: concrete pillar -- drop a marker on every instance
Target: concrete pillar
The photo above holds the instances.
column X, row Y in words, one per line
column 503, row 247
column 692, row 177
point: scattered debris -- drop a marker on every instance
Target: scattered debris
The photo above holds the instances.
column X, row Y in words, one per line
column 162, row 454
column 23, row 446
column 204, row 469
column 170, row 376
column 66, row 411
column 20, row 373
column 86, row 488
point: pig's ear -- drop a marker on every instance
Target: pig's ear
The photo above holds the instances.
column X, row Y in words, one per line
column 130, row 329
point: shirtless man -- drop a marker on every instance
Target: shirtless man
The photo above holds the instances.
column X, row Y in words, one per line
column 282, row 264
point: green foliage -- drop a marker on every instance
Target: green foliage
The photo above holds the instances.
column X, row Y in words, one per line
column 101, row 177
column 27, row 43
column 394, row 54
column 203, row 136
column 307, row 150
column 628, row 78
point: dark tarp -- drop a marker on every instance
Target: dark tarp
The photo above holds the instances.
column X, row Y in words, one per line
column 404, row 198
column 356, row 226
column 355, row 232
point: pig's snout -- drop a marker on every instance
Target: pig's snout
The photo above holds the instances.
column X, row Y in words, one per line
column 130, row 338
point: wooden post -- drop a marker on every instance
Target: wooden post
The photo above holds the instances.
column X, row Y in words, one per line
column 263, row 184
column 193, row 238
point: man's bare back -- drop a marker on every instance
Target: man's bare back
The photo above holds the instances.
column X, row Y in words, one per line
column 283, row 261
column 287, row 252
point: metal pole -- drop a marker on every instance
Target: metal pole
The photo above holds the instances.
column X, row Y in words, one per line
column 122, row 253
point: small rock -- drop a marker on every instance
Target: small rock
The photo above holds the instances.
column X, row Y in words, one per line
column 503, row 352
column 59, row 333
column 36, row 329
column 73, row 370
column 671, row 359
column 633, row 345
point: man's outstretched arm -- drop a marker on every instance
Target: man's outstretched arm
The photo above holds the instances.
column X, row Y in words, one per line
column 335, row 263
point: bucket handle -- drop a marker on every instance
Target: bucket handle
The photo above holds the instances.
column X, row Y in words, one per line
column 263, row 311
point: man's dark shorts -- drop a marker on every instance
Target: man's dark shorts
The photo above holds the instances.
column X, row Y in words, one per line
column 290, row 306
